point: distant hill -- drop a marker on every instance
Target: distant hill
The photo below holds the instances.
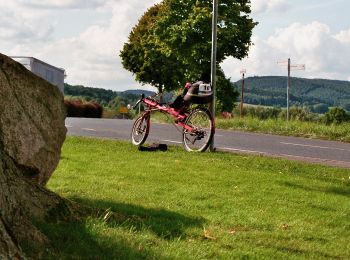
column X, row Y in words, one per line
column 97, row 94
column 139, row 92
column 271, row 91
column 103, row 96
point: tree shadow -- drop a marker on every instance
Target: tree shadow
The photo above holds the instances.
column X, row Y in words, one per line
column 74, row 240
column 163, row 223
column 342, row 191
column 83, row 236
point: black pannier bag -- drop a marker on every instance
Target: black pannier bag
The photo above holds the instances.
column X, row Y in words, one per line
column 199, row 93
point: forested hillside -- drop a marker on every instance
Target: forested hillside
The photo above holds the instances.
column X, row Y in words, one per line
column 317, row 94
column 103, row 96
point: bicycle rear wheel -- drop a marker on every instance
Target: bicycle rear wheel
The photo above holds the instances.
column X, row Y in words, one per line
column 140, row 129
column 199, row 139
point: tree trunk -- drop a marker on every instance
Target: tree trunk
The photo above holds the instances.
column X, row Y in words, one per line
column 160, row 93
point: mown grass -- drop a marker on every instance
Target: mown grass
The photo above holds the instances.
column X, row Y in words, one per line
column 180, row 205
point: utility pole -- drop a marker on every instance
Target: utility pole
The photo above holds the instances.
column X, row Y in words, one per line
column 213, row 62
column 288, row 87
column 243, row 71
column 289, row 68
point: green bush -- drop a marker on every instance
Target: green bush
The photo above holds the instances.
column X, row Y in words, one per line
column 80, row 108
column 264, row 113
column 336, row 115
column 260, row 112
column 300, row 114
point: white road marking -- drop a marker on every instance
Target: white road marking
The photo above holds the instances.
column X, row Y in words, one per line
column 170, row 141
column 219, row 135
column 241, row 150
column 315, row 146
column 68, row 126
column 89, row 129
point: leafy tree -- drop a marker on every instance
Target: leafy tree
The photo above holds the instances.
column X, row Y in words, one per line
column 226, row 93
column 142, row 54
column 184, row 28
column 117, row 103
column 171, row 43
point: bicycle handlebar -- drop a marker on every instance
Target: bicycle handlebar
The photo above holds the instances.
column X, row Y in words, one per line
column 140, row 100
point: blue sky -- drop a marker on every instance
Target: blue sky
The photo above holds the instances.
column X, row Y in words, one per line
column 85, row 36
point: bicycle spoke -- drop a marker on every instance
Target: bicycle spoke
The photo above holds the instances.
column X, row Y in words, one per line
column 199, row 138
column 140, row 130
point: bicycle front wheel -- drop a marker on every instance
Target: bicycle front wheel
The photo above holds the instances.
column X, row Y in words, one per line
column 140, row 129
column 199, row 139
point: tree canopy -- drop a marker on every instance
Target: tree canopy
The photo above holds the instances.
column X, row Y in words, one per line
column 142, row 54
column 184, row 28
column 171, row 43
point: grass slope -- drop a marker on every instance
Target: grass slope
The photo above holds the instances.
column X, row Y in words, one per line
column 179, row 205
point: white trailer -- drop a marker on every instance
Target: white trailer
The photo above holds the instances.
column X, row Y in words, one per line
column 44, row 70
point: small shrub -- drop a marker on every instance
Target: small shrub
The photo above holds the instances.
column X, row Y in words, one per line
column 93, row 110
column 336, row 115
column 78, row 108
column 260, row 112
column 300, row 114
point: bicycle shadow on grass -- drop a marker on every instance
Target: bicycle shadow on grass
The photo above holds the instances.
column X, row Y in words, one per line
column 163, row 223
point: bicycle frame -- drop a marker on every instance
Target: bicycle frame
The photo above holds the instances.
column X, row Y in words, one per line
column 198, row 127
column 179, row 118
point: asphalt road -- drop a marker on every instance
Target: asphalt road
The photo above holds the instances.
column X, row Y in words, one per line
column 294, row 148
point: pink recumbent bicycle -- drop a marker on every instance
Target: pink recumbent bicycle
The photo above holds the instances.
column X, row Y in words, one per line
column 188, row 112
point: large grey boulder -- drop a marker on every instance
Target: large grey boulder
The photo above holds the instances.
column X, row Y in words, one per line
column 32, row 115
column 32, row 132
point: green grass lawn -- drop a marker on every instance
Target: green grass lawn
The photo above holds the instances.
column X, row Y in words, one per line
column 180, row 205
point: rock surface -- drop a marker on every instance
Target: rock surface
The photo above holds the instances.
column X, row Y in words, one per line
column 32, row 132
column 32, row 117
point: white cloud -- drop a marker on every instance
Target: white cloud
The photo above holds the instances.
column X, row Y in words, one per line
column 325, row 55
column 269, row 6
column 343, row 36
column 13, row 27
column 17, row 26
column 67, row 4
column 90, row 58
